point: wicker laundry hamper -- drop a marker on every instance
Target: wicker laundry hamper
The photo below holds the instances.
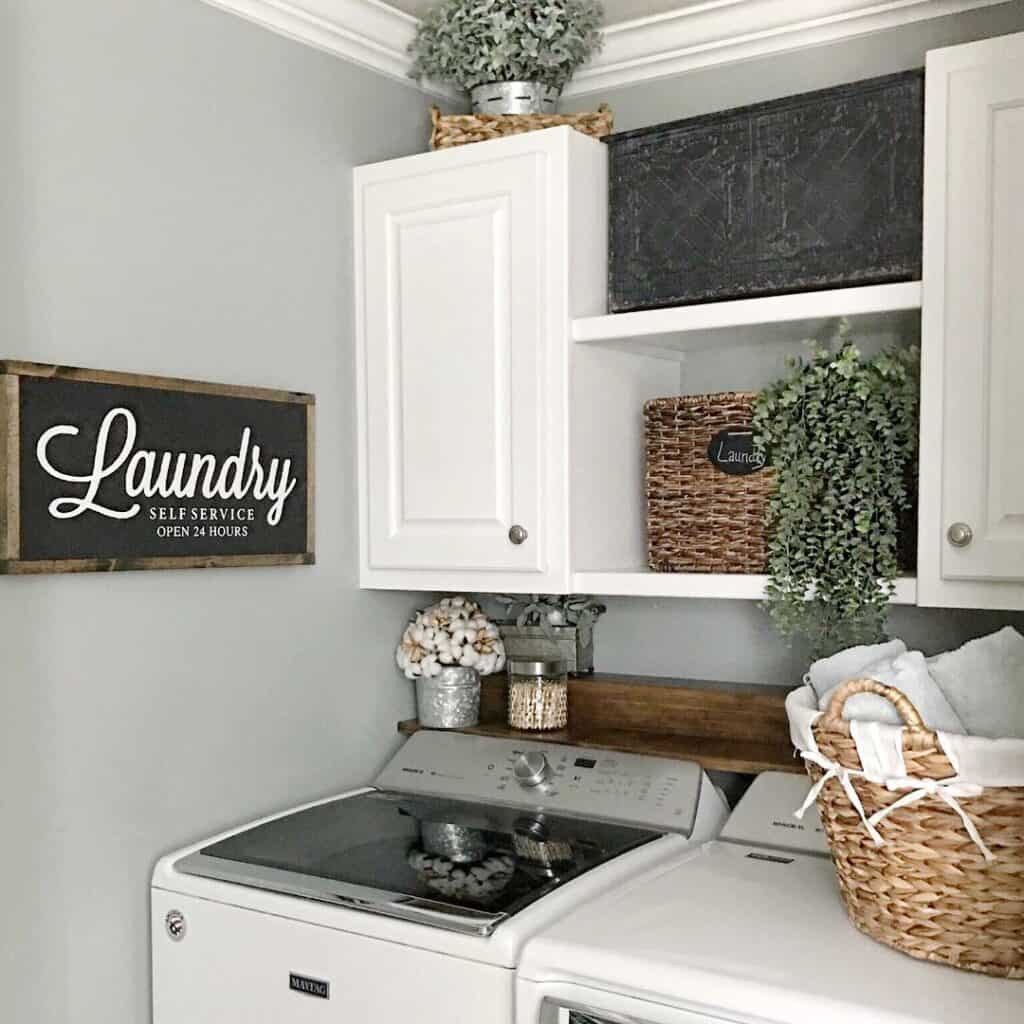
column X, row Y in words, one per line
column 928, row 890
column 462, row 129
column 702, row 517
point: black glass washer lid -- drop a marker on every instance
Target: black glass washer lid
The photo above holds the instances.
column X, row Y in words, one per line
column 452, row 864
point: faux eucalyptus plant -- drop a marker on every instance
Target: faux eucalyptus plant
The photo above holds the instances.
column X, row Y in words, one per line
column 841, row 435
column 474, row 42
column 550, row 609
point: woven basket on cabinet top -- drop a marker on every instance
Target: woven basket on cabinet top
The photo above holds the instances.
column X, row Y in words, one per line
column 462, row 129
column 928, row 890
column 700, row 519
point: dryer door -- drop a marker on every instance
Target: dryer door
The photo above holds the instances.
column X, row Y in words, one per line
column 567, row 1016
column 560, row 1003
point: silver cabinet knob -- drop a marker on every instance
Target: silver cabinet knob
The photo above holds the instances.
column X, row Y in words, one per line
column 517, row 534
column 531, row 769
column 960, row 535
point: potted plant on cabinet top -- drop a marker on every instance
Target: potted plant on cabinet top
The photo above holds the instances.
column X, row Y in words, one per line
column 511, row 56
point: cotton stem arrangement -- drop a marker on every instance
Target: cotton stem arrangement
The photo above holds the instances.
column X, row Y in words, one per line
column 453, row 632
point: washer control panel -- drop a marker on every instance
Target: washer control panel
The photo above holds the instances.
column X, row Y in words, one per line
column 648, row 791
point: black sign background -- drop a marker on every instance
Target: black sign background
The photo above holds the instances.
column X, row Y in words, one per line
column 732, row 451
column 168, row 421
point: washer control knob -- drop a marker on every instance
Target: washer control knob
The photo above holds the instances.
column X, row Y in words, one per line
column 531, row 769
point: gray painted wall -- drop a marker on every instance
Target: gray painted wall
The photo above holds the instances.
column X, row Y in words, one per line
column 176, row 200
column 734, row 639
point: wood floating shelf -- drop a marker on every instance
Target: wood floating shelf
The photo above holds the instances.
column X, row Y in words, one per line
column 738, row 727
column 870, row 308
column 730, row 586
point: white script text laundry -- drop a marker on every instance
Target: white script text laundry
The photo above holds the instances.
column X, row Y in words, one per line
column 154, row 474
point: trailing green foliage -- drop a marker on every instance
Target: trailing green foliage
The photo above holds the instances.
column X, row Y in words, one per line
column 841, row 434
column 473, row 42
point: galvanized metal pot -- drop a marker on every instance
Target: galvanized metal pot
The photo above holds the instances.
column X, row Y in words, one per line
column 514, row 98
column 450, row 700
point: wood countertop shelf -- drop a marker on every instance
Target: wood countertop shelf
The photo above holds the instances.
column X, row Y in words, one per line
column 738, row 727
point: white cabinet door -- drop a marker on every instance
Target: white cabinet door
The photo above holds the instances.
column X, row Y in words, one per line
column 972, row 451
column 467, row 274
column 454, row 345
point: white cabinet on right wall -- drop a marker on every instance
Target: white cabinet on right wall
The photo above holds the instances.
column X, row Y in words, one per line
column 971, row 545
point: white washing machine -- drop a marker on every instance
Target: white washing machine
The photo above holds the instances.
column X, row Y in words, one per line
column 412, row 899
column 748, row 929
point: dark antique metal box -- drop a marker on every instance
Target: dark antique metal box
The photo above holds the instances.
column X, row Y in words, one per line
column 820, row 190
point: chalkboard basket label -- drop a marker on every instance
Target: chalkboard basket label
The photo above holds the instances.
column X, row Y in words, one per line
column 733, row 451
column 104, row 471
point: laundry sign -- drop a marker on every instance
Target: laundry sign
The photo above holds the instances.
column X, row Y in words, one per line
column 104, row 471
column 733, row 451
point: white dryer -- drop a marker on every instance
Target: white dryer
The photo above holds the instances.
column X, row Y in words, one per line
column 412, row 899
column 748, row 929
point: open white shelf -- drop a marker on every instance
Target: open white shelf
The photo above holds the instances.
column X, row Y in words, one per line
column 733, row 586
column 881, row 308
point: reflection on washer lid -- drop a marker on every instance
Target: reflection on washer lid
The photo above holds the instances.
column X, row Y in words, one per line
column 385, row 853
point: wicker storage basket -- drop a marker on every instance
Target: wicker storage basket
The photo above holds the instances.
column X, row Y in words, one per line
column 699, row 518
column 461, row 129
column 928, row 890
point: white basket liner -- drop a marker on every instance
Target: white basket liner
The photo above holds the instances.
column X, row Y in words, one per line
column 977, row 763
column 975, row 759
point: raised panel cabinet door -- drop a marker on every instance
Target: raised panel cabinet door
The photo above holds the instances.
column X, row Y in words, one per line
column 454, row 345
column 972, row 452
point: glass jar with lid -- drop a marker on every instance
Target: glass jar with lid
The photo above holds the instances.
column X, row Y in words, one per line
column 538, row 693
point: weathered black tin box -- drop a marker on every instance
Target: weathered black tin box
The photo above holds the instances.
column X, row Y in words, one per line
column 820, row 190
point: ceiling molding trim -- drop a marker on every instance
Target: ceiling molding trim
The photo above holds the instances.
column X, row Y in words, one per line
column 376, row 35
column 367, row 32
column 726, row 31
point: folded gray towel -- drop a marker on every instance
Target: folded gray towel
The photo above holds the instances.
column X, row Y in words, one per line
column 984, row 682
column 827, row 673
column 908, row 672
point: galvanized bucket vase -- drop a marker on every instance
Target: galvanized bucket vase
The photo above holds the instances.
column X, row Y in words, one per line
column 450, row 700
column 514, row 98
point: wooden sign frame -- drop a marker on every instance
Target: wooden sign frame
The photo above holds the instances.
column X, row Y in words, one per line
column 12, row 372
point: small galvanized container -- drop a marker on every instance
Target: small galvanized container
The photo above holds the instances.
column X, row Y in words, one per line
column 450, row 700
column 538, row 694
column 573, row 644
column 514, row 98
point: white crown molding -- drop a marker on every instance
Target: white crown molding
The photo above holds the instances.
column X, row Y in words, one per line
column 725, row 31
column 367, row 32
column 376, row 35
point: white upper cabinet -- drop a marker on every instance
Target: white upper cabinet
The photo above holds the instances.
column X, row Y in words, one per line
column 972, row 387
column 500, row 408
column 466, row 283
